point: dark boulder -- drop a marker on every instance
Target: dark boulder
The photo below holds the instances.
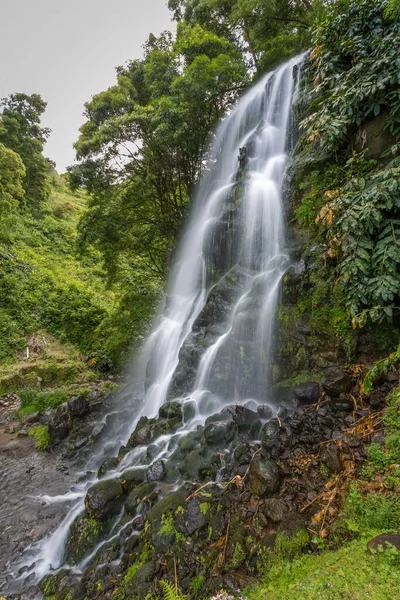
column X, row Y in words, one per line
column 219, row 433
column 79, row 406
column 307, row 393
column 337, row 382
column 330, row 458
column 145, row 494
column 107, row 465
column 242, row 417
column 104, row 499
column 60, row 423
column 270, row 434
column 265, row 412
column 275, row 509
column 264, row 478
column 199, row 465
column 171, row 410
column 193, row 518
column 132, row 478
column 156, row 472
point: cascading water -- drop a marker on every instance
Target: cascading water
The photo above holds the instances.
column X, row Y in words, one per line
column 212, row 344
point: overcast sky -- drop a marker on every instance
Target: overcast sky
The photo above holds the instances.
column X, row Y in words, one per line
column 67, row 50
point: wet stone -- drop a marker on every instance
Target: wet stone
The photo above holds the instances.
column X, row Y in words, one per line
column 194, row 518
column 265, row 412
column 156, row 472
column 385, row 540
column 337, row 382
column 274, row 509
column 104, row 498
column 243, row 417
column 79, row 406
column 270, row 434
column 60, row 423
column 330, row 459
column 307, row 393
column 108, row 464
column 264, row 479
column 132, row 478
column 219, row 433
column 171, row 410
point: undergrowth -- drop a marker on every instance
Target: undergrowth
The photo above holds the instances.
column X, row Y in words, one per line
column 37, row 401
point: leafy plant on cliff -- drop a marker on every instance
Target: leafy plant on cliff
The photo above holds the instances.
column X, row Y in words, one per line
column 355, row 68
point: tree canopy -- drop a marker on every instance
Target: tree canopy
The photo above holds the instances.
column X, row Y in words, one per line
column 142, row 147
column 20, row 131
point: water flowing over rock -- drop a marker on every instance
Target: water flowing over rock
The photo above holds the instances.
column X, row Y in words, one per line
column 202, row 383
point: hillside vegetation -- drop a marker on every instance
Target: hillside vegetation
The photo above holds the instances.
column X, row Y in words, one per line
column 84, row 257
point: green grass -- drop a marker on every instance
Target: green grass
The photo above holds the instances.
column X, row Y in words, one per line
column 352, row 573
column 37, row 401
column 42, row 437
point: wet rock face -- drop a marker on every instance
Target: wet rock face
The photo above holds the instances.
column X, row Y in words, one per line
column 307, row 393
column 60, row 422
column 104, row 499
column 264, row 478
column 79, row 406
column 156, row 472
column 337, row 382
column 219, row 433
column 170, row 418
column 193, row 518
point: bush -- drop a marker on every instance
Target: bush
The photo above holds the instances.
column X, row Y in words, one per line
column 42, row 437
column 37, row 401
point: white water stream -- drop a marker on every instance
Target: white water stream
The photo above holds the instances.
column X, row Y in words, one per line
column 233, row 255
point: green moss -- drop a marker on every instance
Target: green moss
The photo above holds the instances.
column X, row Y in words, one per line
column 299, row 378
column 204, row 508
column 238, row 557
column 197, row 583
column 42, row 436
column 168, row 526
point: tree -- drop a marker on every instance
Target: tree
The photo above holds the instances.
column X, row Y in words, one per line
column 266, row 31
column 142, row 147
column 22, row 133
column 12, row 174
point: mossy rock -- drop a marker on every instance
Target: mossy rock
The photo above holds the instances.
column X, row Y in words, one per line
column 140, row 584
column 51, row 584
column 137, row 495
column 168, row 504
column 132, row 478
column 85, row 533
column 104, row 499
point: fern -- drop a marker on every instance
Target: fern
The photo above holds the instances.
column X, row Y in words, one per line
column 170, row 592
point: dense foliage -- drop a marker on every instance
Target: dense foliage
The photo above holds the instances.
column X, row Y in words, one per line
column 142, row 147
column 355, row 67
column 265, row 31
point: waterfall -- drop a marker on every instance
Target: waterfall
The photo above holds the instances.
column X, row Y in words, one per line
column 212, row 343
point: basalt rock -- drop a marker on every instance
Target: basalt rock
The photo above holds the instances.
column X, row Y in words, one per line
column 60, row 422
column 156, row 472
column 132, row 478
column 104, row 499
column 193, row 518
column 307, row 393
column 264, row 478
column 220, row 433
column 337, row 382
column 79, row 406
column 385, row 541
